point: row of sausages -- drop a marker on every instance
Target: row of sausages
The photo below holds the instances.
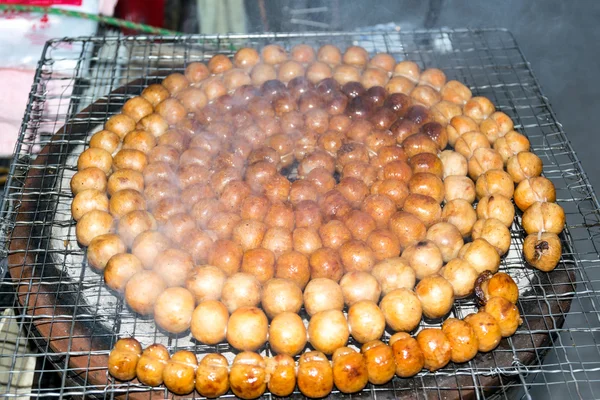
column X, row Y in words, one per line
column 250, row 374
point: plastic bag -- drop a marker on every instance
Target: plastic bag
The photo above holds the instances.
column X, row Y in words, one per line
column 22, row 39
column 23, row 34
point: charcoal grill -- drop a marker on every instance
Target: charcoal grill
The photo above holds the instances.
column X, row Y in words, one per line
column 71, row 319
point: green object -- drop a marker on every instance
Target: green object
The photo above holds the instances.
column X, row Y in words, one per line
column 121, row 23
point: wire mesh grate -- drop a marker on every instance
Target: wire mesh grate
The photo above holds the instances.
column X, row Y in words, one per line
column 554, row 354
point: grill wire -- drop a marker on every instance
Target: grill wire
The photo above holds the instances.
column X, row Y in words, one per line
column 565, row 365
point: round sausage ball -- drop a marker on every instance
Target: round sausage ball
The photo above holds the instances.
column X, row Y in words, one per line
column 500, row 284
column 142, row 291
column 260, row 263
column 459, row 187
column 119, row 269
column 148, row 245
column 315, row 375
column 226, row 255
column 173, row 309
column 453, row 163
column 174, row 265
column 282, row 375
column 544, row 217
column 408, row 355
column 542, row 251
column 480, row 255
column 293, row 266
column 206, row 283
column 497, row 207
column 209, row 322
column 328, row 331
column 350, row 373
column 287, row 334
column 447, row 238
column 357, row 286
column 506, row 314
column 322, row 294
column 436, row 348
column 486, row 329
column 326, row 263
column 366, row 321
column 180, row 372
column 247, row 329
column 212, row 376
column 424, row 257
column 134, row 223
column 494, row 232
column 463, row 340
column 248, row 376
column 95, row 157
column 379, row 358
column 106, row 140
column 125, row 201
column 436, row 295
column 280, row 295
column 88, row 178
column 408, row 228
column 394, row 273
column 402, row 309
column 357, row 256
column 123, row 359
column 460, row 213
column 461, row 275
column 102, row 248
column 274, row 54
column 334, row 233
column 529, row 191
column 88, row 200
column 92, row 224
column 241, row 290
column 424, row 207
column 125, row 179
column 151, row 365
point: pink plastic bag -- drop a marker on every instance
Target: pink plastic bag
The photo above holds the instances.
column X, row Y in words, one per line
column 22, row 39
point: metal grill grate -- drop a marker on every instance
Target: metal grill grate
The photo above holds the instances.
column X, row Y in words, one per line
column 554, row 354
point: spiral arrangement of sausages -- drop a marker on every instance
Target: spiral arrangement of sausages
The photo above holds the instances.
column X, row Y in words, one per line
column 186, row 206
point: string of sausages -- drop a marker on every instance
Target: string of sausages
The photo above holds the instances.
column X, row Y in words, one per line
column 251, row 374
